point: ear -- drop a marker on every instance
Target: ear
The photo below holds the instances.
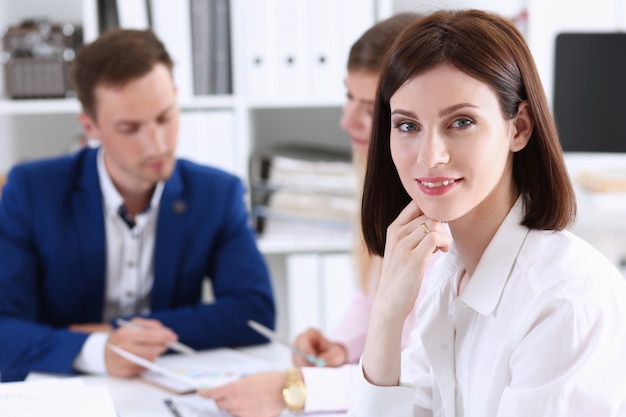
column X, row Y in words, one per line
column 522, row 126
column 89, row 126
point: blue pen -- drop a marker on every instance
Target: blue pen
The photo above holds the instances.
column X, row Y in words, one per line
column 312, row 359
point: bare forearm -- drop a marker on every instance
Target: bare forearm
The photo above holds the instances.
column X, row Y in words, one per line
column 381, row 357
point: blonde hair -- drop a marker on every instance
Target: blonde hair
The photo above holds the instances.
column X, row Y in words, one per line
column 367, row 55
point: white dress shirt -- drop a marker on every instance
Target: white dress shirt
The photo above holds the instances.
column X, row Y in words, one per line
column 537, row 331
column 129, row 265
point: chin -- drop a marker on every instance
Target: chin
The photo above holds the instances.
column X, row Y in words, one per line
column 359, row 150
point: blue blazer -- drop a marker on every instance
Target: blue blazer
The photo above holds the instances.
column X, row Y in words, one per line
column 52, row 262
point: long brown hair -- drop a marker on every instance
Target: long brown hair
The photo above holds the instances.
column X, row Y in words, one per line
column 489, row 48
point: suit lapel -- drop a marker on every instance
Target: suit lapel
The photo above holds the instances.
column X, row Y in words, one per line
column 89, row 215
column 169, row 240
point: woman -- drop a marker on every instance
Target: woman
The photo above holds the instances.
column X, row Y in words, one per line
column 327, row 389
column 522, row 317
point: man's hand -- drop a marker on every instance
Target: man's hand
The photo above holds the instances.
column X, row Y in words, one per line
column 91, row 327
column 149, row 340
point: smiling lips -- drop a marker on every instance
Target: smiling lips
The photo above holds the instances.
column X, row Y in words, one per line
column 437, row 187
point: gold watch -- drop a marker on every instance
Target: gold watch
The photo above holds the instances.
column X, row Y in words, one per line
column 294, row 392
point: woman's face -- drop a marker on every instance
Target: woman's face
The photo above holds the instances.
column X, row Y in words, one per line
column 453, row 147
column 358, row 109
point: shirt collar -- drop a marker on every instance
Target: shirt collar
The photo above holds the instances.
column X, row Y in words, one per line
column 484, row 289
column 112, row 198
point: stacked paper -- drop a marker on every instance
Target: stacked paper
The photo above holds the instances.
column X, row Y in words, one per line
column 303, row 191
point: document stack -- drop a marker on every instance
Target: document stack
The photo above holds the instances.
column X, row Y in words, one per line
column 300, row 190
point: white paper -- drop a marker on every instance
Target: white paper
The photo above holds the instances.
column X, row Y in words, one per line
column 183, row 373
column 63, row 397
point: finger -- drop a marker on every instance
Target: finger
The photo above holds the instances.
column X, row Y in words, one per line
column 147, row 323
column 299, row 361
column 90, row 327
column 145, row 335
column 311, row 342
column 334, row 356
column 149, row 351
column 438, row 240
column 408, row 213
column 213, row 393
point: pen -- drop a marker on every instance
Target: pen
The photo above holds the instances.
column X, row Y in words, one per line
column 170, row 404
column 177, row 346
column 312, row 359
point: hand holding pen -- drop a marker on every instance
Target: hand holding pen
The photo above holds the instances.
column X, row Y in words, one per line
column 309, row 359
column 174, row 345
column 149, row 342
column 313, row 340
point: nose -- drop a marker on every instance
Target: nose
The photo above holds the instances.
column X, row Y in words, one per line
column 353, row 117
column 433, row 150
column 155, row 137
column 347, row 116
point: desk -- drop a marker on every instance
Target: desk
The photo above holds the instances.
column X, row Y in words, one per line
column 136, row 398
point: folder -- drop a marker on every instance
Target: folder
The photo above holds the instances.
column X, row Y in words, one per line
column 207, row 138
column 133, row 14
column 259, row 40
column 292, row 49
column 221, row 82
column 201, row 45
column 356, row 18
column 107, row 15
column 171, row 21
column 327, row 58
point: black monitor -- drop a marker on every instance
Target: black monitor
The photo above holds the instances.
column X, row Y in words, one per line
column 590, row 91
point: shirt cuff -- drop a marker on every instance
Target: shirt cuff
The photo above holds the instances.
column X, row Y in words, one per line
column 90, row 360
column 372, row 400
column 327, row 389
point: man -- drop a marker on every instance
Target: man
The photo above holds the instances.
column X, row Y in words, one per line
column 124, row 231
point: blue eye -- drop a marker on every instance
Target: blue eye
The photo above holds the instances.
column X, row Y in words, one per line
column 407, row 126
column 464, row 122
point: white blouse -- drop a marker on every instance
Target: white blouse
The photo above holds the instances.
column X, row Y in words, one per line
column 539, row 330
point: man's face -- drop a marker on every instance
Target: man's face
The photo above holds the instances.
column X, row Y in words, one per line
column 137, row 124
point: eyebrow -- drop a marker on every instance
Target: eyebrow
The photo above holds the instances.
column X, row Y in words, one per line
column 442, row 113
column 136, row 122
column 454, row 108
